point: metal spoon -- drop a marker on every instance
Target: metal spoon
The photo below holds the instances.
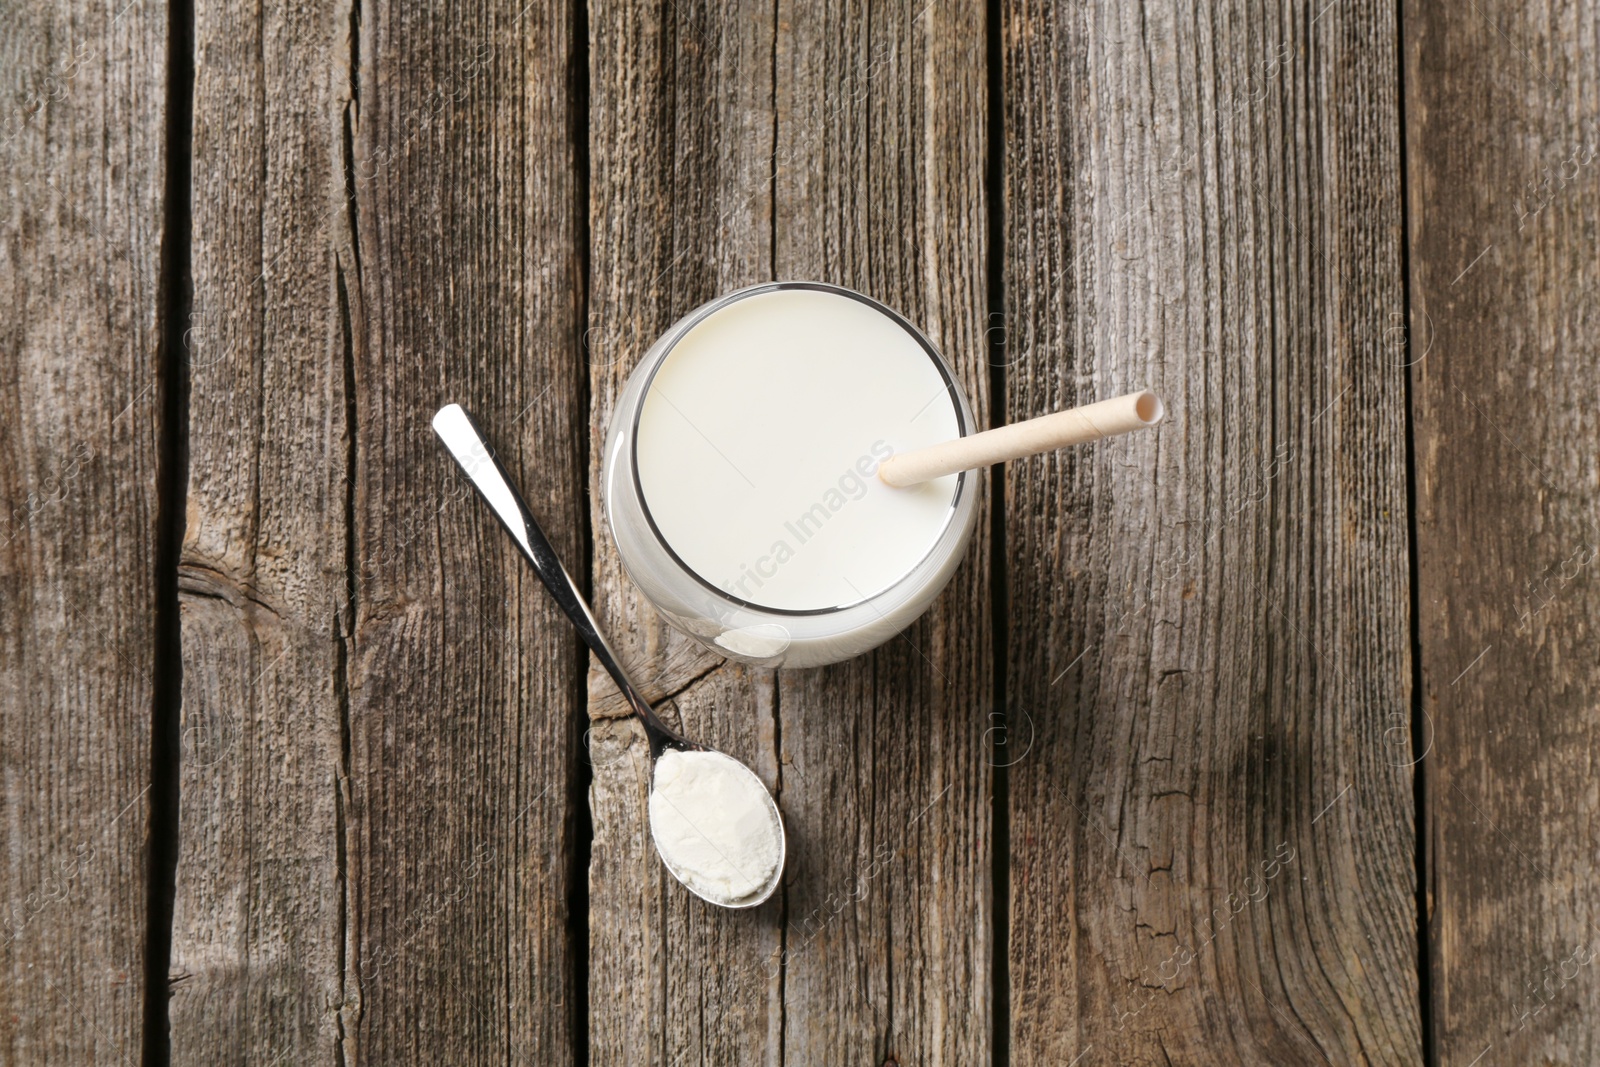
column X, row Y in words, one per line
column 460, row 435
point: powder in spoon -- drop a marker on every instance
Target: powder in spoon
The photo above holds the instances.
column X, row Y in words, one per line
column 714, row 824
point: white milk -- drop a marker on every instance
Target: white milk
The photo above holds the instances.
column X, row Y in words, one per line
column 758, row 445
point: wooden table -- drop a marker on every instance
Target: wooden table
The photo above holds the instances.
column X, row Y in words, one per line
column 1264, row 738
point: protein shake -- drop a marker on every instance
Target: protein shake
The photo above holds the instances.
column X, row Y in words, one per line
column 739, row 474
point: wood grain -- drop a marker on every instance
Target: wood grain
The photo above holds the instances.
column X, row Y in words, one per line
column 880, row 186
column 1210, row 741
column 680, row 211
column 684, row 148
column 378, row 822
column 1504, row 192
column 465, row 681
column 82, row 123
column 258, row 922
column 1211, row 840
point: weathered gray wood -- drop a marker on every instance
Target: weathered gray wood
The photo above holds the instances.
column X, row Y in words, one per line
column 82, row 99
column 680, row 211
column 378, row 821
column 1504, row 195
column 1209, row 638
column 682, row 141
column 258, row 942
column 880, row 186
column 465, row 680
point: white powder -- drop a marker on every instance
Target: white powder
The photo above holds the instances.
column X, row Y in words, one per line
column 761, row 641
column 714, row 824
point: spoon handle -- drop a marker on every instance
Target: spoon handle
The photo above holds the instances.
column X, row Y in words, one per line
column 455, row 428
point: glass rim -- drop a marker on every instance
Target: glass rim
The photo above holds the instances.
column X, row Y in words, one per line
column 681, row 328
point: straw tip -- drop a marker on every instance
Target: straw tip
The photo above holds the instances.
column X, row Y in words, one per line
column 1149, row 408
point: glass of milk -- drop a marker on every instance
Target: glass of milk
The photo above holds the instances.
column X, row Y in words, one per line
column 739, row 474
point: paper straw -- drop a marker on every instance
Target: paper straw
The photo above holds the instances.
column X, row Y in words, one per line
column 1075, row 426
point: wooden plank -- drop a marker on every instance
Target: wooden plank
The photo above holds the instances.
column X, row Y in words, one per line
column 378, row 839
column 1504, row 197
column 882, row 117
column 1211, row 840
column 680, row 209
column 82, row 113
column 465, row 682
column 258, row 938
column 682, row 134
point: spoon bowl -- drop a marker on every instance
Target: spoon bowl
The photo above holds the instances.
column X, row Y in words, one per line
column 471, row 452
column 767, row 888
